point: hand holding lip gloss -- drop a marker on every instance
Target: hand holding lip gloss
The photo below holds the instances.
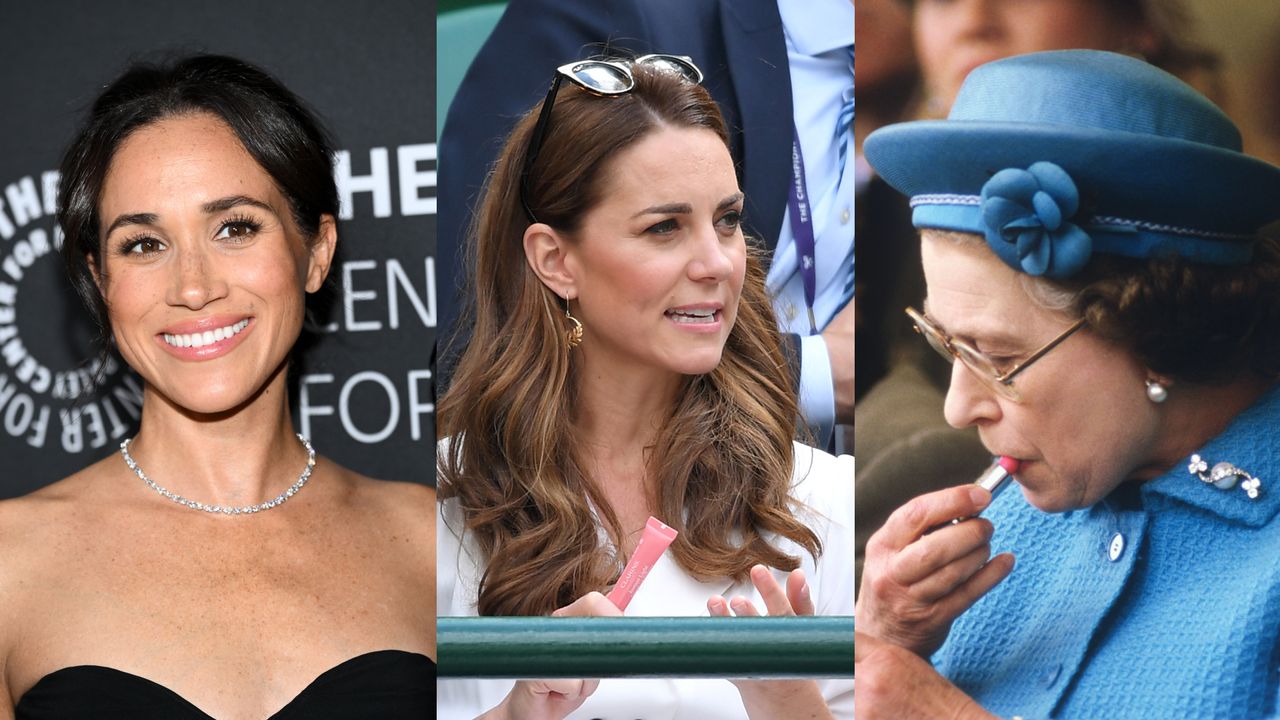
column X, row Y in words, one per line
column 655, row 541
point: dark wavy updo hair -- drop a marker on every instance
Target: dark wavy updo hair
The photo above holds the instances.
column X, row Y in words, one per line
column 1196, row 323
column 275, row 127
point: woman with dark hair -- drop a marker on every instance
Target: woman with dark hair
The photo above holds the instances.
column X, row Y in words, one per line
column 216, row 566
column 1094, row 249
column 625, row 364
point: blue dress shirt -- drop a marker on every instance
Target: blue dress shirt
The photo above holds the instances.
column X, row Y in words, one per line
column 819, row 36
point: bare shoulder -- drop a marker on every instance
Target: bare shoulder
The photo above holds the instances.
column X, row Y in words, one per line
column 28, row 522
column 405, row 506
column 33, row 529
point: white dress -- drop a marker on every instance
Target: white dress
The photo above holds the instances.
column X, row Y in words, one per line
column 822, row 483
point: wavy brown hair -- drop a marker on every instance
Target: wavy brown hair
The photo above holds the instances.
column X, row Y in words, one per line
column 722, row 464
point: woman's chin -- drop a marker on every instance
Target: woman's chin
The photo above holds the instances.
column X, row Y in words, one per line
column 701, row 363
column 209, row 400
column 1049, row 502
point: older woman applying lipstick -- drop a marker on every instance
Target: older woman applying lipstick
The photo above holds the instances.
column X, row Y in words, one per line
column 624, row 365
column 1092, row 246
column 216, row 566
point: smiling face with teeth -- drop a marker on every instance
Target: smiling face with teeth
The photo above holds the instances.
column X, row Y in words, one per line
column 204, row 270
column 656, row 269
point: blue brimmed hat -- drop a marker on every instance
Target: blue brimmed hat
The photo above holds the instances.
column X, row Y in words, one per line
column 1054, row 156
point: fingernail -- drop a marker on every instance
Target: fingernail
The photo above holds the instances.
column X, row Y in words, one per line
column 739, row 602
column 979, row 496
column 804, row 591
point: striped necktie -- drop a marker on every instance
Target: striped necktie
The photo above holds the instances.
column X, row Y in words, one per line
column 844, row 140
column 844, row 121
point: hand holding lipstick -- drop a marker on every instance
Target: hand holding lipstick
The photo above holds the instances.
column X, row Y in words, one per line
column 919, row 577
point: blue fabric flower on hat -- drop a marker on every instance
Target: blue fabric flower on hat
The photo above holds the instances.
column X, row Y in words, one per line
column 1026, row 213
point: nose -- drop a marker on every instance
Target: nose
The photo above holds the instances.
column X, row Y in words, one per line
column 196, row 280
column 969, row 401
column 713, row 256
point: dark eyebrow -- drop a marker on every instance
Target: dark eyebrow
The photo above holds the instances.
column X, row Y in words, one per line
column 686, row 208
column 668, row 209
column 209, row 208
column 132, row 219
column 226, row 203
column 733, row 199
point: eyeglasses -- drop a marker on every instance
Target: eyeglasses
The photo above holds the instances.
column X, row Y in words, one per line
column 606, row 78
column 983, row 366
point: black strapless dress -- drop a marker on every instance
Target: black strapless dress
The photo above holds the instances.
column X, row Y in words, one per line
column 389, row 684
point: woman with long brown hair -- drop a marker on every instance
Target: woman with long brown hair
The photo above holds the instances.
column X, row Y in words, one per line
column 625, row 364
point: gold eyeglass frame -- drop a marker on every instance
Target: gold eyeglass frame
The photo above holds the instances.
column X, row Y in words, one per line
column 979, row 363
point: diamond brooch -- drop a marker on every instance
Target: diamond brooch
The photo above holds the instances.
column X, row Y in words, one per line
column 1225, row 476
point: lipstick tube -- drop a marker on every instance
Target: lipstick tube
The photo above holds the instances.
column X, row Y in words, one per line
column 655, row 541
column 994, row 480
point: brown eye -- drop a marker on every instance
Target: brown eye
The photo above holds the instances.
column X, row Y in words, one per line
column 237, row 230
column 143, row 246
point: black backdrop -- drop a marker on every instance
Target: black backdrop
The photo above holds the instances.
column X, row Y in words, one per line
column 362, row 385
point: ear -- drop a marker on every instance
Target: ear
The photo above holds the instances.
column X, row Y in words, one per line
column 547, row 253
column 320, row 254
column 94, row 273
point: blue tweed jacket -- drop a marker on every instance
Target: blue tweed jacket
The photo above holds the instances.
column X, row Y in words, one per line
column 1162, row 601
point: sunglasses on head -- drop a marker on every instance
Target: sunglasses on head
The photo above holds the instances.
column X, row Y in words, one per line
column 606, row 78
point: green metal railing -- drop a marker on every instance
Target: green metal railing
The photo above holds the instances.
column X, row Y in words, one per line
column 645, row 647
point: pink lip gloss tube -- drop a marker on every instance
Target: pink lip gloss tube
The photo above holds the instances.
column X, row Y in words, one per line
column 657, row 537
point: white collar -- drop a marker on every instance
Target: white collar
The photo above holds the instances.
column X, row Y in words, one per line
column 817, row 26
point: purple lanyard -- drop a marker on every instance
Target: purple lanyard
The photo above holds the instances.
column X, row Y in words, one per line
column 802, row 228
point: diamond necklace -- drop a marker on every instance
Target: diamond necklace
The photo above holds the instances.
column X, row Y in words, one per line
column 224, row 509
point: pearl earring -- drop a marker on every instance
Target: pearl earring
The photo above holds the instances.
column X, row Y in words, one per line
column 1156, row 392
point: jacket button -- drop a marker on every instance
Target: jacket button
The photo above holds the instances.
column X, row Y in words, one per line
column 1117, row 547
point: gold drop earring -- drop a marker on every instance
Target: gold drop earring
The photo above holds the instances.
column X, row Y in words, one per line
column 572, row 336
